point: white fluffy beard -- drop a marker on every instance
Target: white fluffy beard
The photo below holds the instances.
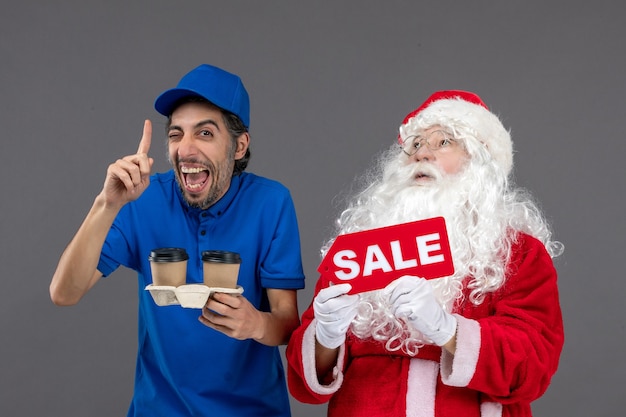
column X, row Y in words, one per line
column 475, row 240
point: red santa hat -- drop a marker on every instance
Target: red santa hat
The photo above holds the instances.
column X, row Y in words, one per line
column 462, row 111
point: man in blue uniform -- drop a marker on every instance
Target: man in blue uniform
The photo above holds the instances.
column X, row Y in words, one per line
column 222, row 360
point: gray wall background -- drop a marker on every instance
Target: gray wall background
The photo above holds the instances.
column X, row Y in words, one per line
column 329, row 81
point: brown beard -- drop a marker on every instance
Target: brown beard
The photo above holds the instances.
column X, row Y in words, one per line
column 220, row 176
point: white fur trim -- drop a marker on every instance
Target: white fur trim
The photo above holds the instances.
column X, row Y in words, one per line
column 421, row 388
column 465, row 116
column 308, row 362
column 491, row 409
column 458, row 370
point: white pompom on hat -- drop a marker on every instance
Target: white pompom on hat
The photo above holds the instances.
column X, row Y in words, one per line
column 462, row 111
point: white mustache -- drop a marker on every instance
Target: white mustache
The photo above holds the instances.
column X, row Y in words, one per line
column 423, row 169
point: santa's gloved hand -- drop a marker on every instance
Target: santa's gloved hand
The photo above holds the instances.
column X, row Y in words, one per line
column 413, row 298
column 334, row 310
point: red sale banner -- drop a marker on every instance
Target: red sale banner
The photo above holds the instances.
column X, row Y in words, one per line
column 371, row 259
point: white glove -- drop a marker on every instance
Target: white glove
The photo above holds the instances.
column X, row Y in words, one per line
column 413, row 298
column 334, row 311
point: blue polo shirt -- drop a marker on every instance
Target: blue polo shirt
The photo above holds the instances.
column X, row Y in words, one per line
column 183, row 367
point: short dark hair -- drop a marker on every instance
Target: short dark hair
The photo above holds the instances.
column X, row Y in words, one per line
column 233, row 123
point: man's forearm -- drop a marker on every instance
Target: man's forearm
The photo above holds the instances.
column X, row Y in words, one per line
column 76, row 272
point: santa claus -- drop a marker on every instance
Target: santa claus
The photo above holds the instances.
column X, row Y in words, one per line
column 484, row 341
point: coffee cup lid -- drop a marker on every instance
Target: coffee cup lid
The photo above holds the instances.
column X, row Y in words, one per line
column 221, row 257
column 168, row 255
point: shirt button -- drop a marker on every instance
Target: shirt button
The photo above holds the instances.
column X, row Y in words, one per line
column 203, row 232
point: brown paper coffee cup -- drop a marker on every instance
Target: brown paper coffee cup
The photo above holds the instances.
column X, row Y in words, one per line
column 220, row 268
column 169, row 266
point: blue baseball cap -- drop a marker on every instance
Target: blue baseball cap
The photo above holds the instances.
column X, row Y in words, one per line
column 220, row 87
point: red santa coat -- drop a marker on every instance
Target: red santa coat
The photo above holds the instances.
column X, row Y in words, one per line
column 507, row 350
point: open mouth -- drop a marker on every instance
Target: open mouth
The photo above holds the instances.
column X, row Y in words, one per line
column 194, row 178
column 423, row 172
column 423, row 176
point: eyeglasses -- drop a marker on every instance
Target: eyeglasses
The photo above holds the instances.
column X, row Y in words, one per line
column 436, row 141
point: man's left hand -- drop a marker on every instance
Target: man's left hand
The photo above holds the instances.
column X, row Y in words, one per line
column 233, row 315
column 413, row 298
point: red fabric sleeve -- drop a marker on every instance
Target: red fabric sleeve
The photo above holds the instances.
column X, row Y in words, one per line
column 296, row 379
column 516, row 335
column 522, row 338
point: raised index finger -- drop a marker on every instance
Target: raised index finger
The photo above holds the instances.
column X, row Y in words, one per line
column 146, row 139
